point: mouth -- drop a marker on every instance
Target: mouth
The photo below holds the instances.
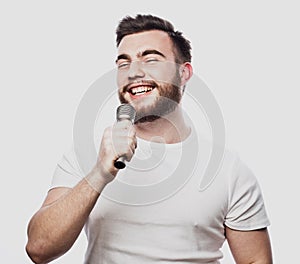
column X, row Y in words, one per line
column 141, row 89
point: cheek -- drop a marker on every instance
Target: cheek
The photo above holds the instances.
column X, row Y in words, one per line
column 163, row 74
column 121, row 79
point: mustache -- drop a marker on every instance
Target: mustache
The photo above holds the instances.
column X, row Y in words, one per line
column 140, row 82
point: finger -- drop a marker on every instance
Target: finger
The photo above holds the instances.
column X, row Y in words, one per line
column 132, row 144
column 135, row 142
column 126, row 152
column 124, row 124
column 129, row 154
column 123, row 131
column 131, row 131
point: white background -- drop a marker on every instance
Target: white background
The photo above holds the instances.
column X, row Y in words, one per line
column 51, row 51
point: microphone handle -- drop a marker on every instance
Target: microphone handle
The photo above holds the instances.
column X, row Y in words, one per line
column 120, row 163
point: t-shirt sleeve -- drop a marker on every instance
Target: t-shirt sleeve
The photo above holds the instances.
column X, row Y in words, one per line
column 67, row 172
column 246, row 207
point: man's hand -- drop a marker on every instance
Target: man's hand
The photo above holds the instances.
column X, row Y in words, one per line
column 118, row 140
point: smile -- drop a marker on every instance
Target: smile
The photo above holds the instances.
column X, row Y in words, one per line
column 141, row 90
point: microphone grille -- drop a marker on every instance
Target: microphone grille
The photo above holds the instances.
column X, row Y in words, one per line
column 125, row 111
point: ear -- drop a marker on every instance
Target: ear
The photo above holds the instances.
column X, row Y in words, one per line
column 186, row 72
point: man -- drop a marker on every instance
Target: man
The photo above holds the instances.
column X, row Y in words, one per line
column 189, row 226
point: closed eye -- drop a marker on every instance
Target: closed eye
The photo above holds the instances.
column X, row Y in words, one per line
column 151, row 60
column 123, row 64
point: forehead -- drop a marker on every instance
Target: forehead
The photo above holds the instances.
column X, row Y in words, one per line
column 136, row 43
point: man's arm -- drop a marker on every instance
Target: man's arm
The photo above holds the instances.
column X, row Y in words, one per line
column 250, row 247
column 55, row 227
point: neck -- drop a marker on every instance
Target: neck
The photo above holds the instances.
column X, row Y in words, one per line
column 169, row 129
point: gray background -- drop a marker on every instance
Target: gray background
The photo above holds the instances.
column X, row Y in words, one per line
column 51, row 51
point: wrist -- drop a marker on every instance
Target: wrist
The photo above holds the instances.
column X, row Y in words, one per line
column 98, row 179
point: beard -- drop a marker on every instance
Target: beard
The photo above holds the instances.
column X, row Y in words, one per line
column 169, row 97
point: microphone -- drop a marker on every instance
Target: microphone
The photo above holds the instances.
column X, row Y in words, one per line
column 124, row 112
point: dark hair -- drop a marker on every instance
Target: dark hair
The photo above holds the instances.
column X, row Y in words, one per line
column 129, row 25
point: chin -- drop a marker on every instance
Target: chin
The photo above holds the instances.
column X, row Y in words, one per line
column 146, row 119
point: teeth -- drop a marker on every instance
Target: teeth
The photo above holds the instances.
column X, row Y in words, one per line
column 141, row 89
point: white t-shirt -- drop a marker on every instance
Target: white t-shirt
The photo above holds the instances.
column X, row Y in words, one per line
column 156, row 212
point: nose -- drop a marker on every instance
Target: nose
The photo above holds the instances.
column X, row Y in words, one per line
column 136, row 70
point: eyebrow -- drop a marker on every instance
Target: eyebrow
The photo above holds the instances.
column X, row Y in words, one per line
column 143, row 54
column 122, row 57
column 147, row 52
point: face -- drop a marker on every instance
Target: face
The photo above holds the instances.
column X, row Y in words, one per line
column 148, row 77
